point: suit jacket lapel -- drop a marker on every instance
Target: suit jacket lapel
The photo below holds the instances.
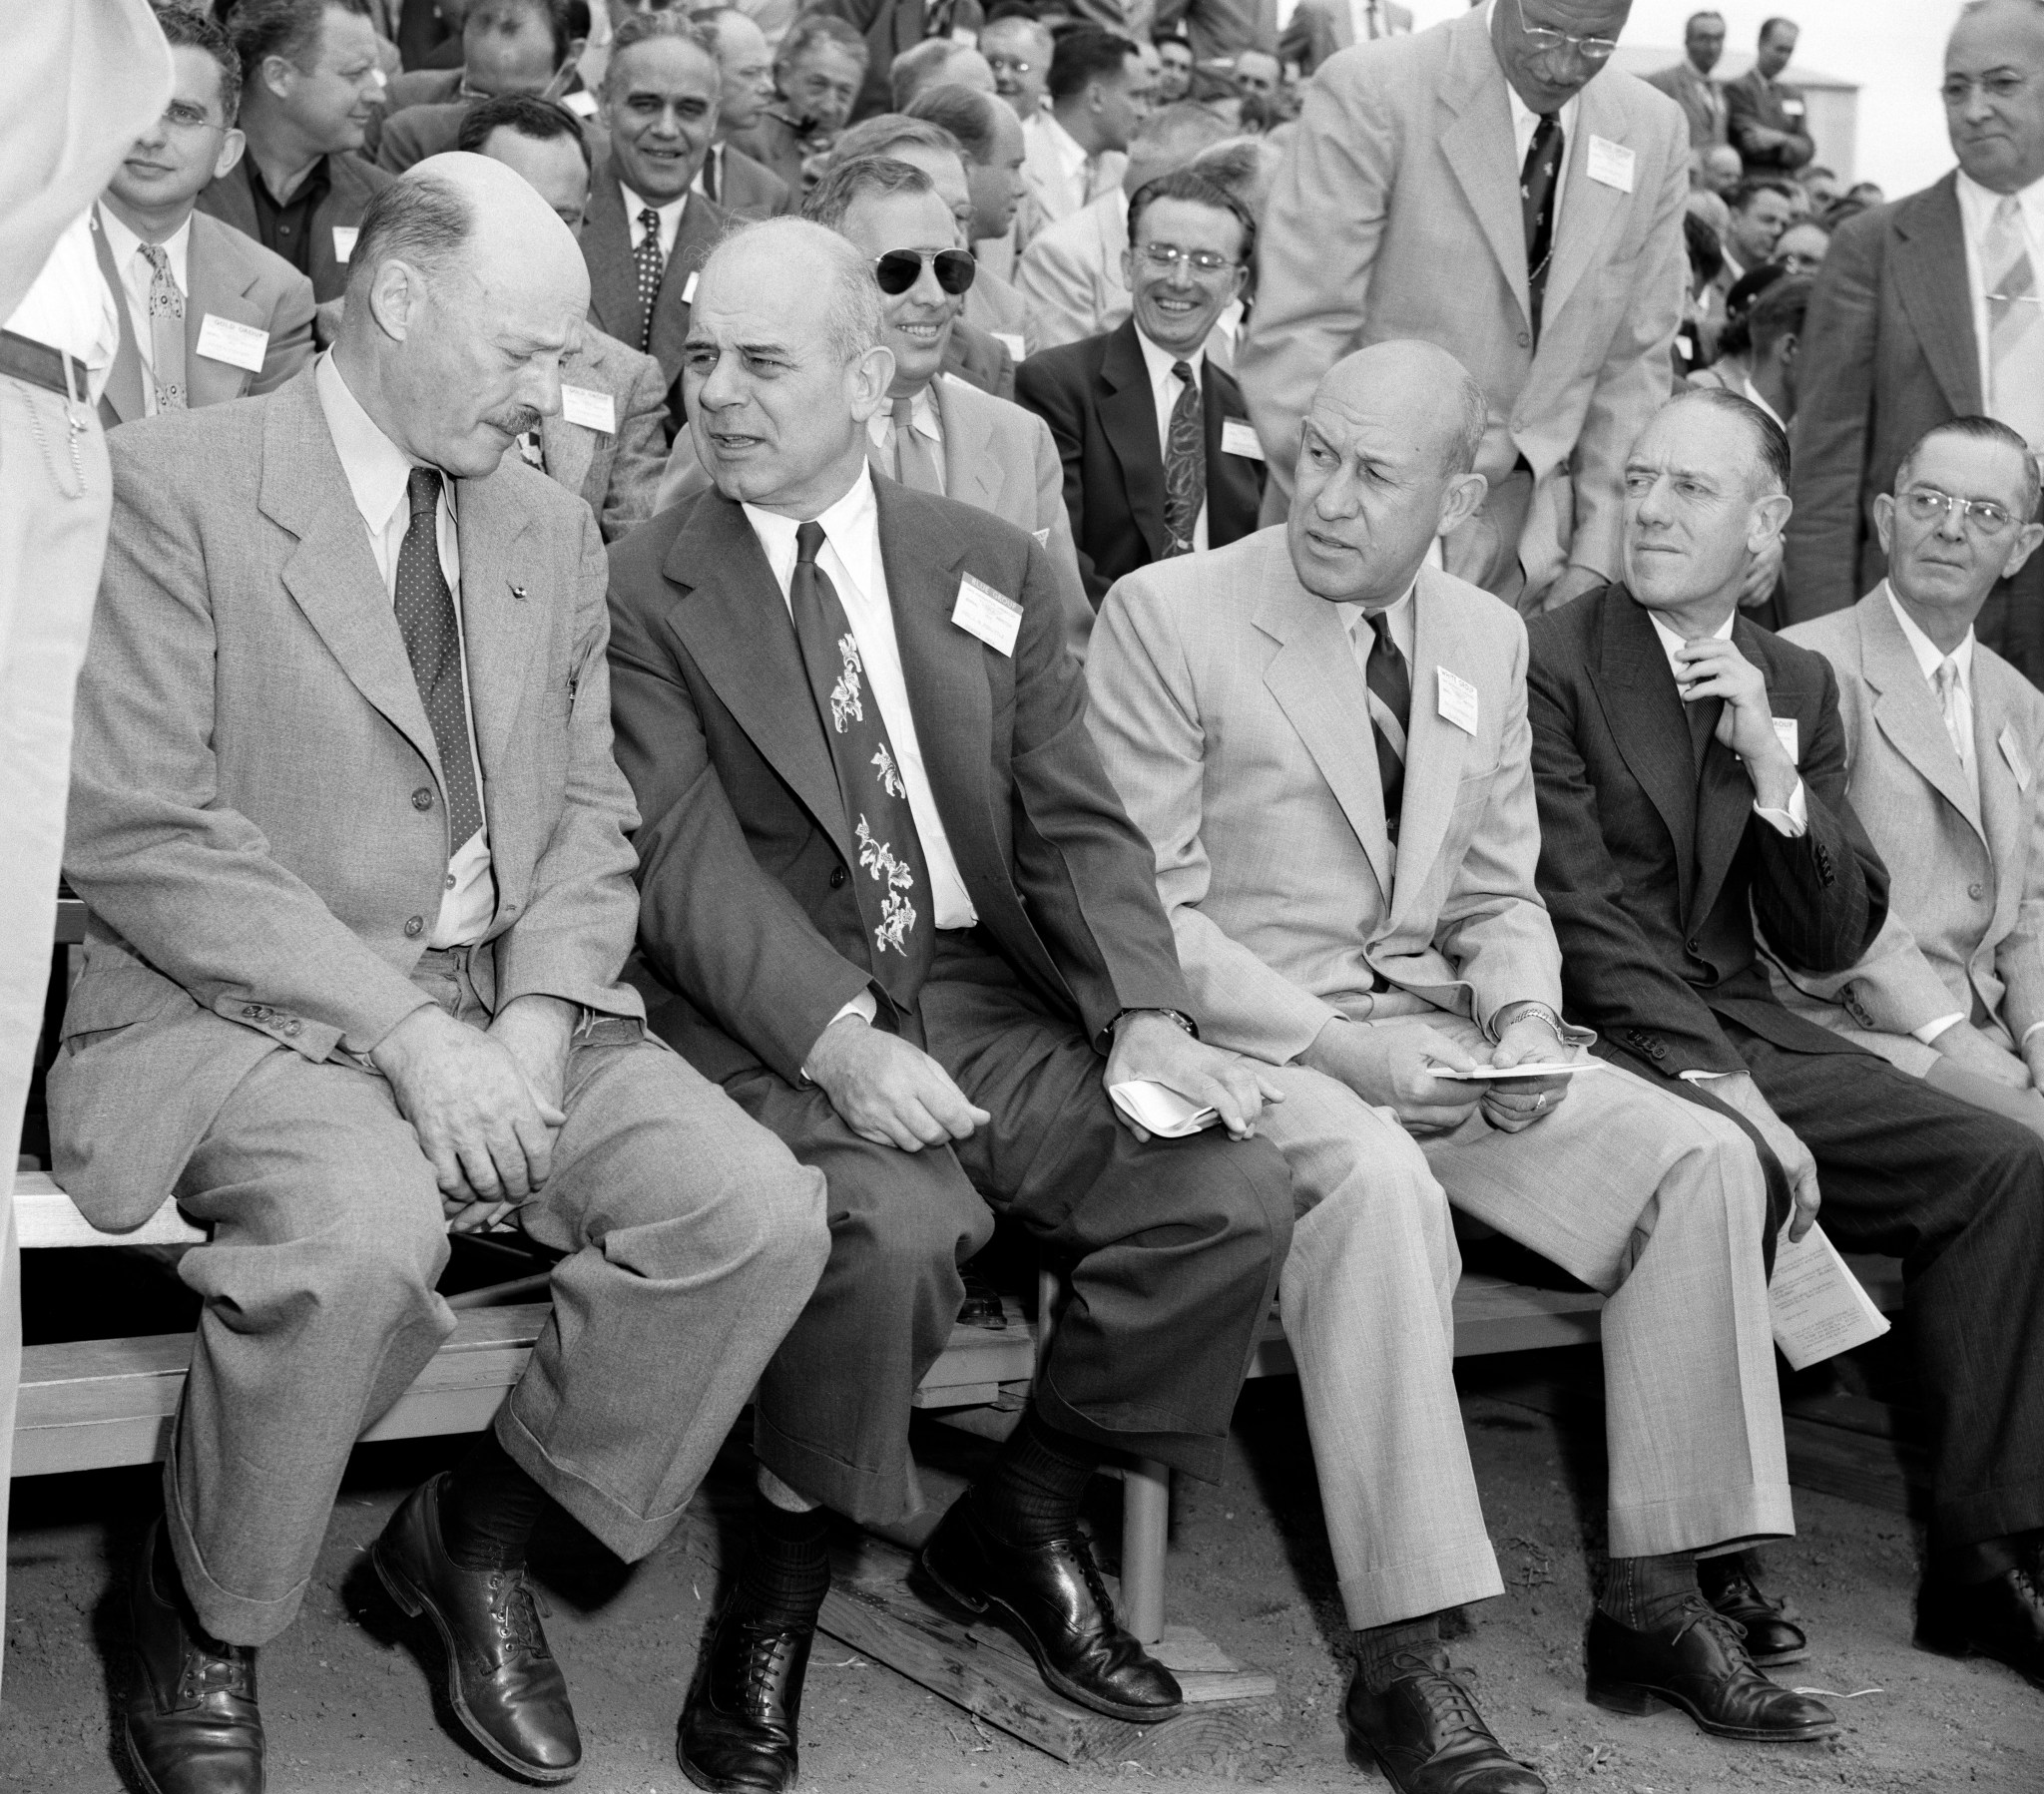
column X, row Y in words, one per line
column 332, row 574
column 1644, row 713
column 500, row 619
column 1929, row 270
column 1905, row 710
column 1434, row 747
column 1319, row 688
column 695, row 236
column 1128, row 418
column 607, row 248
column 735, row 623
column 969, row 462
column 1478, row 148
column 1589, row 207
column 220, row 278
column 2004, row 805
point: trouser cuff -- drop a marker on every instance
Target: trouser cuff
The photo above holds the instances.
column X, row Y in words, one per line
column 1998, row 1513
column 630, row 1534
column 231, row 1619
column 864, row 1493
column 1695, row 1522
column 1450, row 1579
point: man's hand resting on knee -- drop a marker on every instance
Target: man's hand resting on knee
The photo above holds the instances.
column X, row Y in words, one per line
column 1743, row 1095
column 1393, row 1067
column 1153, row 1048
column 480, row 1117
column 887, row 1090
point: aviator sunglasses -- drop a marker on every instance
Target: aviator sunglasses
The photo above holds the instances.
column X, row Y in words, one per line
column 899, row 269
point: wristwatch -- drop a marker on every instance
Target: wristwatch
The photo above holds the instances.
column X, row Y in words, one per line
column 1527, row 1009
column 1177, row 1017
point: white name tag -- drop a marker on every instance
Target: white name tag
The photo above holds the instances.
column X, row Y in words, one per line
column 1237, row 438
column 1793, row 108
column 345, row 241
column 1611, row 164
column 2012, row 752
column 591, row 410
column 689, row 288
column 239, row 345
column 1784, row 733
column 1457, row 702
column 1017, row 351
column 1687, row 345
column 582, row 102
column 981, row 611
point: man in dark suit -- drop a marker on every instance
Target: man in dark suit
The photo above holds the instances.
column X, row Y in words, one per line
column 890, row 27
column 1903, row 335
column 818, row 71
column 308, row 92
column 1157, row 464
column 731, row 179
column 648, row 232
column 891, row 903
column 509, row 47
column 1766, row 120
column 1691, row 781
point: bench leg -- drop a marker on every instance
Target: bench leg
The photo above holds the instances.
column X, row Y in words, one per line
column 1146, row 1524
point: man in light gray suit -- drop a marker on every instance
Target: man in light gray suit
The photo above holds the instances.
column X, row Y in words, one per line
column 1319, row 28
column 1946, row 740
column 1326, row 741
column 359, row 891
column 1492, row 185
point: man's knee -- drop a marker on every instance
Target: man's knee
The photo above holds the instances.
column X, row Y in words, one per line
column 1239, row 1202
column 376, row 1260
column 900, row 1218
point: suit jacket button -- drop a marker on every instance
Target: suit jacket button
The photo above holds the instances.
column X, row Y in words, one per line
column 422, row 799
column 1976, row 891
column 415, row 927
column 291, row 1028
column 1693, row 945
column 1525, row 340
column 1659, row 1050
column 837, row 876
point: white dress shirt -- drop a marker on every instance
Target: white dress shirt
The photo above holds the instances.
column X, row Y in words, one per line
column 850, row 556
column 68, row 306
column 1164, row 386
column 927, row 422
column 1976, row 214
column 138, row 277
column 1525, row 121
column 378, row 475
column 1362, row 14
column 1405, row 628
column 1793, row 821
column 670, row 220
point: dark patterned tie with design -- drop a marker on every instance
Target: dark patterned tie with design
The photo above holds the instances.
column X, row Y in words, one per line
column 1538, row 183
column 1390, row 684
column 893, row 888
column 1184, row 464
column 652, row 264
column 432, row 637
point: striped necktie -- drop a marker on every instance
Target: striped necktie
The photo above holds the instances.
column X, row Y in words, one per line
column 165, row 330
column 1390, row 689
column 2015, row 325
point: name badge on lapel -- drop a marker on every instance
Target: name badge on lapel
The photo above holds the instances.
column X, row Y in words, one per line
column 1784, row 733
column 1792, row 106
column 991, row 616
column 1611, row 164
column 591, row 409
column 2012, row 752
column 689, row 288
column 1018, row 350
column 238, row 344
column 1457, row 700
column 345, row 241
column 1237, row 438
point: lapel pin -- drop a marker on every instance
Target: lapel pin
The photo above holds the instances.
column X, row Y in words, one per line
column 518, row 592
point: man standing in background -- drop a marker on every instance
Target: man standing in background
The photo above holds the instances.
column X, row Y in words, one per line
column 1320, row 27
column 1689, row 82
column 1767, row 121
column 81, row 79
column 729, row 177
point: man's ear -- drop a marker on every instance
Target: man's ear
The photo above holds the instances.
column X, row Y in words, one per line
column 1769, row 518
column 1884, row 520
column 395, row 290
column 231, row 144
column 868, row 380
column 2025, row 545
column 278, row 75
column 1464, row 498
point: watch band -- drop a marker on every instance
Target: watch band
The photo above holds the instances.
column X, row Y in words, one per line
column 1169, row 1014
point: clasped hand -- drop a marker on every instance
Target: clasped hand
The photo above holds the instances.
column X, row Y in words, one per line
column 1397, row 1067
column 485, row 1106
column 1154, row 1049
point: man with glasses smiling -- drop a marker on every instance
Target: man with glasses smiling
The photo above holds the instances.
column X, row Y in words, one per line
column 1492, row 185
column 206, row 314
column 1159, row 456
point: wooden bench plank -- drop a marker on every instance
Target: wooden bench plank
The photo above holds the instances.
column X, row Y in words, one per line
column 44, row 1217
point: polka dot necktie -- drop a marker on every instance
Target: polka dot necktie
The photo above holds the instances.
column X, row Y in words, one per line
column 1539, row 182
column 891, row 882
column 432, row 637
column 652, row 264
column 1184, row 464
column 165, row 330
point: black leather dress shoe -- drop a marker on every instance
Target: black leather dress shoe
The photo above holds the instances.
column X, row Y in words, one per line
column 1698, row 1662
column 1051, row 1596
column 1425, row 1734
column 502, row 1682
column 1771, row 1639
column 2002, row 1617
column 982, row 1304
column 190, row 1717
column 740, row 1729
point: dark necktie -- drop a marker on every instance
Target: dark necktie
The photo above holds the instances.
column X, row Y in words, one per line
column 651, row 267
column 432, row 637
column 1184, row 464
column 1390, row 683
column 710, row 176
column 894, row 892
column 1538, row 183
column 937, row 17
column 1702, row 726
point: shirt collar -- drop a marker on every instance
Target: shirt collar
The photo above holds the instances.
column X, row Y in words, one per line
column 308, row 193
column 1670, row 641
column 635, row 203
column 1353, row 615
column 1978, row 204
column 379, row 471
column 1160, row 361
column 125, row 245
column 923, row 417
column 1928, row 655
column 852, row 526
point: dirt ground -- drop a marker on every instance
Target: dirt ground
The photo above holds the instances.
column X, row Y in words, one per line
column 347, row 1706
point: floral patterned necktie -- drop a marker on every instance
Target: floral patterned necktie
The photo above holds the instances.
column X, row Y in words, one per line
column 165, row 330
column 892, row 884
column 1184, row 464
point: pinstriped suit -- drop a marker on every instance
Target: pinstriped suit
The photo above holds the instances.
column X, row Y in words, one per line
column 1229, row 705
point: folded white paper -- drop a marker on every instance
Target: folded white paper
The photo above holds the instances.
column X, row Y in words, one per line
column 1160, row 1110
column 1817, row 1305
column 1559, row 1068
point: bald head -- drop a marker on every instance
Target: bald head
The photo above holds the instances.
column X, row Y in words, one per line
column 464, row 292
column 1384, row 466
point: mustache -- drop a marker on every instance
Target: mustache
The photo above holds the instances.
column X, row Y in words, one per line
column 514, row 422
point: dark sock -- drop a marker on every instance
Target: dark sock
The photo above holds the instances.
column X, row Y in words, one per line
column 1032, row 1493
column 488, row 1508
column 788, row 1570
column 1646, row 1593
column 1380, row 1646
column 1968, row 1565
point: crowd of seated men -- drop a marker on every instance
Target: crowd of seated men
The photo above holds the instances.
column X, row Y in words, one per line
column 812, row 763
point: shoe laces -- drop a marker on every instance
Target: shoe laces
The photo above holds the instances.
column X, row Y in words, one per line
column 1082, row 1554
column 1450, row 1706
column 1698, row 1613
column 764, row 1646
column 1746, row 1593
column 208, row 1672
column 516, row 1605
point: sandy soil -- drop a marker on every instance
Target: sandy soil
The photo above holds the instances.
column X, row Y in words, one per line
column 347, row 1706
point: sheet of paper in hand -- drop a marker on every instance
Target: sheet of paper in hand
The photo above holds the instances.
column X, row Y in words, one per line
column 1817, row 1306
column 1559, row 1068
column 1159, row 1110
